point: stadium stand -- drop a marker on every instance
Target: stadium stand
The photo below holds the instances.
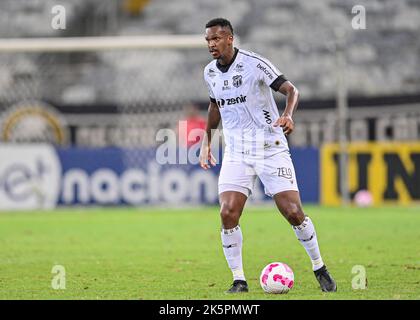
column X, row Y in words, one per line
column 296, row 35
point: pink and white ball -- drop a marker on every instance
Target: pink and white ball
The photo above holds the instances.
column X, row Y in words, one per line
column 277, row 277
column 363, row 198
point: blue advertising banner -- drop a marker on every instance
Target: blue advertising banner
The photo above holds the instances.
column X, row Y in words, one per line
column 307, row 167
column 112, row 176
column 42, row 177
column 133, row 177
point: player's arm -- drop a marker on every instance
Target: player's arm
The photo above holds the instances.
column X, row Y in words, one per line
column 213, row 119
column 292, row 99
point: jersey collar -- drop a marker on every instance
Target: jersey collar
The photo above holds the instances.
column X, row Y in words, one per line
column 225, row 68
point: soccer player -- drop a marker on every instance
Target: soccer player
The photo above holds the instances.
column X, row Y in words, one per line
column 240, row 85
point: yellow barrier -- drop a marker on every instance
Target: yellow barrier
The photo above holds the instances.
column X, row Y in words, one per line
column 390, row 171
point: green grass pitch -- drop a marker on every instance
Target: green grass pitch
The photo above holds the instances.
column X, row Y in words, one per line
column 146, row 253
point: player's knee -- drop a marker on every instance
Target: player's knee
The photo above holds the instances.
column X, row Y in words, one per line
column 293, row 213
column 229, row 216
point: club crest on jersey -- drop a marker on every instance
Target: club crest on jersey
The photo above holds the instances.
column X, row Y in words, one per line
column 239, row 67
column 237, row 81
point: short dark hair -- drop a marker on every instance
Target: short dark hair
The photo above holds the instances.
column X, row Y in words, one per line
column 220, row 22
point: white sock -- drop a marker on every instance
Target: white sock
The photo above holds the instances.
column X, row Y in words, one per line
column 307, row 236
column 232, row 248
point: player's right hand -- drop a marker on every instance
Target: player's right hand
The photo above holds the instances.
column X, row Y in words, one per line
column 206, row 157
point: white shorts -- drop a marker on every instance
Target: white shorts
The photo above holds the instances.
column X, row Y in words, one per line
column 276, row 173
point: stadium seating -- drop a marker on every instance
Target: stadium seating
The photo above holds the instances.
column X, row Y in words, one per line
column 296, row 35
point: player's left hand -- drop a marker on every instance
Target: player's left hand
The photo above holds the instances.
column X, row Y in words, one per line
column 286, row 122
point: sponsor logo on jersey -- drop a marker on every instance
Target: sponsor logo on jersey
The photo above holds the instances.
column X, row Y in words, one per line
column 237, row 81
column 266, row 71
column 267, row 117
column 226, row 85
column 239, row 67
column 230, row 101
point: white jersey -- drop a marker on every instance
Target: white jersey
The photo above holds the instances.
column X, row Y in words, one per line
column 242, row 90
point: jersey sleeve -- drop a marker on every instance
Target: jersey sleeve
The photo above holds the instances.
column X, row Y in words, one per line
column 269, row 74
column 209, row 89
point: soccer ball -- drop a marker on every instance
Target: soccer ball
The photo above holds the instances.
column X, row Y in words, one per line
column 277, row 277
column 363, row 198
